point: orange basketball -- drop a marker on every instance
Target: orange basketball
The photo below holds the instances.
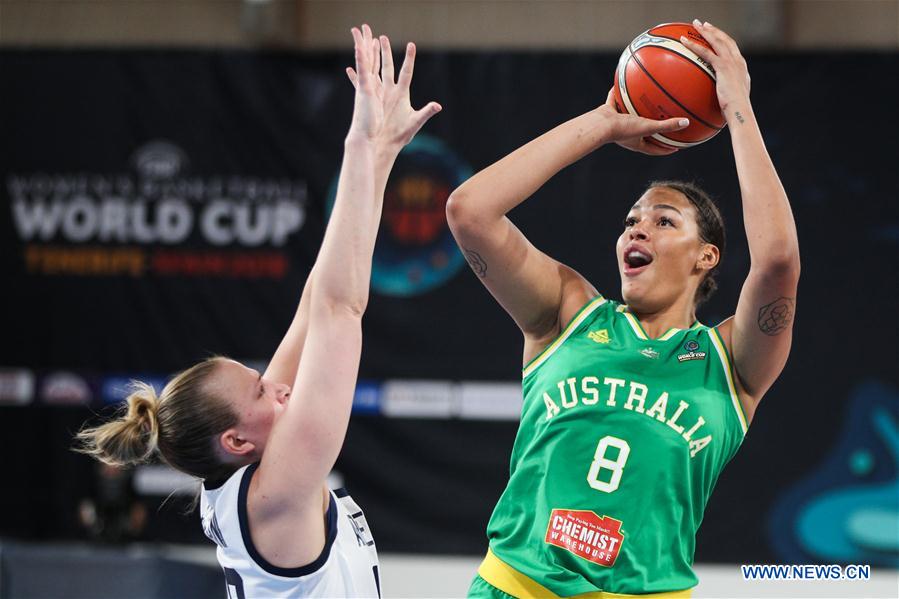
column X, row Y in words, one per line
column 659, row 78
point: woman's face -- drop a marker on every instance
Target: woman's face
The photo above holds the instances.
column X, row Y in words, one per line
column 660, row 254
column 257, row 402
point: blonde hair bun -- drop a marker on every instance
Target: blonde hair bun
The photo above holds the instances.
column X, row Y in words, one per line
column 130, row 439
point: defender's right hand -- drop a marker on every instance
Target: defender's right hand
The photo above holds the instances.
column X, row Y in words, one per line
column 629, row 131
column 383, row 112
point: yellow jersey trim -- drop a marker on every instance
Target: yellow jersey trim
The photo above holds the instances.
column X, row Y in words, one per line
column 635, row 324
column 728, row 374
column 671, row 333
column 512, row 582
column 552, row 347
column 641, row 333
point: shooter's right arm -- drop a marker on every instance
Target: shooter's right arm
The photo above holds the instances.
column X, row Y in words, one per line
column 539, row 293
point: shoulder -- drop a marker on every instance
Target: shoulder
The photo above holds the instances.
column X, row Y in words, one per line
column 576, row 293
column 724, row 330
column 574, row 298
column 272, row 528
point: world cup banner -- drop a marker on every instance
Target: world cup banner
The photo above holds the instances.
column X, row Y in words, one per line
column 157, row 219
column 142, row 236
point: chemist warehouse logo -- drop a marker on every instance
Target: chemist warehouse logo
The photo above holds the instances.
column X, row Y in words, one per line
column 416, row 252
column 157, row 220
column 586, row 535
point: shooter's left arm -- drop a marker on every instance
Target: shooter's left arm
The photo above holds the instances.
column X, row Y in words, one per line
column 761, row 330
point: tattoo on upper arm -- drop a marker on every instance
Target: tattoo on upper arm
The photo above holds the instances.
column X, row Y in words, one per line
column 478, row 265
column 776, row 317
column 739, row 117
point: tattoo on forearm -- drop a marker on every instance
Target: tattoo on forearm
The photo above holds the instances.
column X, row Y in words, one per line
column 478, row 265
column 739, row 117
column 776, row 317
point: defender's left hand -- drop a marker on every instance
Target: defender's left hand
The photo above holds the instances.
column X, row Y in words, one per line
column 729, row 65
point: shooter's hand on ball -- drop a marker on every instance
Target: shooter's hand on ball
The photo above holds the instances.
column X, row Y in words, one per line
column 629, row 131
column 729, row 65
column 382, row 112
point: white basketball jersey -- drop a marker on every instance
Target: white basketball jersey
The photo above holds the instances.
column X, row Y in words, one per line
column 347, row 566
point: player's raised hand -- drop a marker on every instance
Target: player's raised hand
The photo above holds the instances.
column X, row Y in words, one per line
column 629, row 131
column 368, row 110
column 383, row 111
column 727, row 62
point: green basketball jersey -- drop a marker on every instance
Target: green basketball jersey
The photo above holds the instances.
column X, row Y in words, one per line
column 621, row 441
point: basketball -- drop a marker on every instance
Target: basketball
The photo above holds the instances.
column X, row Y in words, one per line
column 659, row 78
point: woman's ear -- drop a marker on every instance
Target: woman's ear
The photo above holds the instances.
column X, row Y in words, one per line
column 234, row 444
column 709, row 256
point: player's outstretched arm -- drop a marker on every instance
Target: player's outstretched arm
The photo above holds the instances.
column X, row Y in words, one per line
column 306, row 440
column 284, row 363
column 539, row 293
column 761, row 330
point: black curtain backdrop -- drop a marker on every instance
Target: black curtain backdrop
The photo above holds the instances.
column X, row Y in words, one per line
column 252, row 132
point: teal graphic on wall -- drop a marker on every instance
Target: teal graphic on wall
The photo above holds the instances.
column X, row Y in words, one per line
column 415, row 251
column 847, row 510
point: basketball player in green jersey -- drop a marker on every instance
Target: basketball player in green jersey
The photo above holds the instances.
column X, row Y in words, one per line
column 631, row 410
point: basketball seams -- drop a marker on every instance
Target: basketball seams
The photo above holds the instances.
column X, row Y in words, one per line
column 670, row 97
column 632, row 109
column 687, row 53
column 672, row 46
column 662, row 31
column 689, row 57
column 677, row 144
column 622, row 84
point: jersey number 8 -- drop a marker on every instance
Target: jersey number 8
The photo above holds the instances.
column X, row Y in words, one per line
column 600, row 462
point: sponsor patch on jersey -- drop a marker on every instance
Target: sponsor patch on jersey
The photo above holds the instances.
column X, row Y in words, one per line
column 585, row 534
column 650, row 353
column 691, row 348
column 600, row 336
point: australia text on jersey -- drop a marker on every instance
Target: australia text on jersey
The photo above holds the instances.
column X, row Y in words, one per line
column 635, row 402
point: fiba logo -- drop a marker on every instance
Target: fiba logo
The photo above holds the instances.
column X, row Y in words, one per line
column 415, row 251
column 159, row 160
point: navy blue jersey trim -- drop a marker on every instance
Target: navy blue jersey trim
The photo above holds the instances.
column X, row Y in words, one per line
column 212, row 485
column 330, row 533
column 341, row 492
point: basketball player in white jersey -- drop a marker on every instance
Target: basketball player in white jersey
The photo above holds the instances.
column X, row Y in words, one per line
column 264, row 443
